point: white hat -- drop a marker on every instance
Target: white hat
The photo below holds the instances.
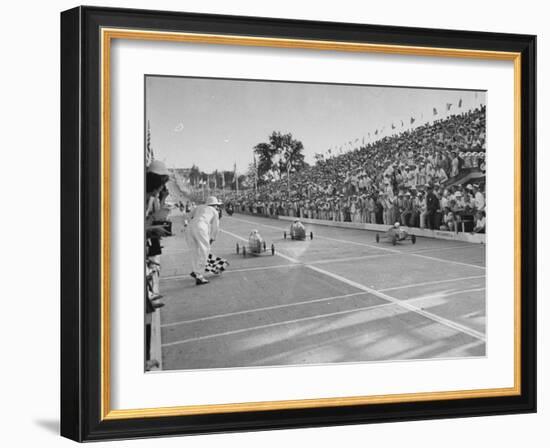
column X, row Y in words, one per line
column 397, row 224
column 212, row 201
column 157, row 167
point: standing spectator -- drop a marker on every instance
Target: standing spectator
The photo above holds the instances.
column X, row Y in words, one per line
column 454, row 165
column 407, row 209
column 441, row 176
column 479, row 198
column 432, row 204
column 371, row 209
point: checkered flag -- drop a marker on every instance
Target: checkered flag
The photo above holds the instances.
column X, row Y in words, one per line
column 216, row 265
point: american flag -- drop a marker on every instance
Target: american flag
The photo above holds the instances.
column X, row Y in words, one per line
column 149, row 155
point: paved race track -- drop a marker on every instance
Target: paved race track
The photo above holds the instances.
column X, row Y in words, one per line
column 340, row 297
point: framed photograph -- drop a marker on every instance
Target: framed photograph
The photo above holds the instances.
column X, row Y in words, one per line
column 273, row 223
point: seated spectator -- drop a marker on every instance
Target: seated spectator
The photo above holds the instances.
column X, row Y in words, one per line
column 449, row 220
column 480, row 222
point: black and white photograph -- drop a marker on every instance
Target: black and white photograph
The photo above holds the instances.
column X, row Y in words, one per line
column 295, row 223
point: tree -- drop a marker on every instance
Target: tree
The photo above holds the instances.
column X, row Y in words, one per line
column 281, row 155
column 227, row 178
column 266, row 154
column 194, row 175
column 292, row 157
column 319, row 157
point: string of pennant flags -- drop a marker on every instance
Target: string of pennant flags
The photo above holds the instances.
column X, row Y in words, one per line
column 332, row 151
column 379, row 131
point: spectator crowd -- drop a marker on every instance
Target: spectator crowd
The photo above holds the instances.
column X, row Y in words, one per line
column 432, row 177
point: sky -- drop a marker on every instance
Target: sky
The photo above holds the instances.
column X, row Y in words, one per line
column 215, row 123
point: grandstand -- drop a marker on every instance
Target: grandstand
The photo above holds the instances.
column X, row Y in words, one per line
column 387, row 180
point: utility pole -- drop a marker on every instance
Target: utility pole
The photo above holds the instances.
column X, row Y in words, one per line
column 288, row 177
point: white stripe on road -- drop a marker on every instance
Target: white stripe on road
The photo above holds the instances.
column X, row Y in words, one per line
column 275, row 324
column 337, row 260
column 403, row 253
column 442, row 294
column 407, row 306
column 258, row 223
column 380, row 247
column 232, row 271
column 414, row 285
column 460, row 263
column 293, row 321
column 266, row 308
column 310, row 302
column 388, row 298
column 363, row 257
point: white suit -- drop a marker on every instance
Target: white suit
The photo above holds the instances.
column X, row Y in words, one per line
column 203, row 227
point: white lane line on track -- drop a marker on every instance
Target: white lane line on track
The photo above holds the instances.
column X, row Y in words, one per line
column 258, row 223
column 275, row 324
column 380, row 247
column 407, row 306
column 231, row 271
column 366, row 257
column 436, row 282
column 217, row 247
column 265, row 308
column 337, row 260
column 386, row 297
column 460, row 263
column 290, row 322
column 403, row 253
column 310, row 302
column 445, row 294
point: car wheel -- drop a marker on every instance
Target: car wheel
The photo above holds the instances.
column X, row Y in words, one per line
column 264, row 246
column 310, row 235
column 413, row 239
column 284, row 235
column 394, row 240
column 272, row 249
column 237, row 248
column 244, row 251
column 377, row 238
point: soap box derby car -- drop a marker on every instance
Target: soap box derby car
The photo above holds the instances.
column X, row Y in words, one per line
column 395, row 234
column 256, row 245
column 297, row 231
